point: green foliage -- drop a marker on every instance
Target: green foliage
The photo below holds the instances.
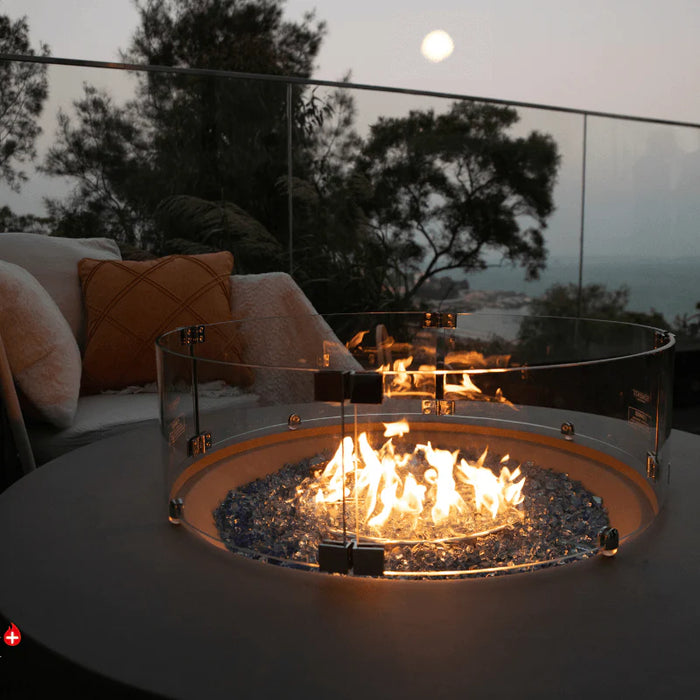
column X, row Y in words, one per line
column 545, row 338
column 687, row 328
column 337, row 260
column 214, row 140
column 596, row 301
column 23, row 91
column 448, row 188
column 242, row 35
column 196, row 163
column 104, row 150
column 27, row 223
column 223, row 139
column 217, row 226
column 440, row 288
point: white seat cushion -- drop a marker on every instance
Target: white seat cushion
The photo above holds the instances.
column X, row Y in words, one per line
column 104, row 415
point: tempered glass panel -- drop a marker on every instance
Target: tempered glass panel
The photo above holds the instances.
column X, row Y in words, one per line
column 537, row 340
column 641, row 214
column 304, row 342
column 301, row 467
column 166, row 162
column 343, row 242
column 178, row 414
column 67, row 86
column 420, row 182
column 503, row 287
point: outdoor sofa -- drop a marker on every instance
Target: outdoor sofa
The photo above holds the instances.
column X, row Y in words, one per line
column 45, row 349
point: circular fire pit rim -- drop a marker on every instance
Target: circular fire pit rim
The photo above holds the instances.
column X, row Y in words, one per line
column 629, row 490
column 661, row 340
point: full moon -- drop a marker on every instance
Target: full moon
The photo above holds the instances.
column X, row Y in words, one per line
column 437, row 46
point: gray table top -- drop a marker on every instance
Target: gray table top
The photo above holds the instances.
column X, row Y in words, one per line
column 97, row 574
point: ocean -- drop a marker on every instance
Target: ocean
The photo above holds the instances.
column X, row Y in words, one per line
column 671, row 287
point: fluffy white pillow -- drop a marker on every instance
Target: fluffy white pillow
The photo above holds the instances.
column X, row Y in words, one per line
column 54, row 263
column 41, row 349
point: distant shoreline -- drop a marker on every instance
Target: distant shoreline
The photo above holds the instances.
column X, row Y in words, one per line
column 495, row 300
column 670, row 287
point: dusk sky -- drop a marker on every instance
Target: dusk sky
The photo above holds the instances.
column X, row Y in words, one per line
column 634, row 57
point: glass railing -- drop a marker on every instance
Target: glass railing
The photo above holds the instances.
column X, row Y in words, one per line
column 357, row 191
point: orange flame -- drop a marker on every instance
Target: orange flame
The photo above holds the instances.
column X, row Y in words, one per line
column 428, row 484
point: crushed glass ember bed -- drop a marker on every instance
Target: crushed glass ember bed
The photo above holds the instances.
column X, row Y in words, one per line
column 276, row 518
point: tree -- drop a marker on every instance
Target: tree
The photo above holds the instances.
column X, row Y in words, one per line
column 196, row 161
column 199, row 226
column 544, row 337
column 596, row 301
column 337, row 260
column 191, row 139
column 217, row 138
column 449, row 188
column 242, row 35
column 28, row 223
column 687, row 327
column 104, row 150
column 23, row 90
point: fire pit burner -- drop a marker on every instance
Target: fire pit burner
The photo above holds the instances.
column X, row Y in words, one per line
column 245, row 498
column 418, row 445
column 561, row 520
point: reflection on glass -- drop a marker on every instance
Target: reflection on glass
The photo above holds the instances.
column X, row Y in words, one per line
column 374, row 199
column 642, row 210
column 429, row 446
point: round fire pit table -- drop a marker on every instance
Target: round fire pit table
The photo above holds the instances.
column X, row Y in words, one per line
column 93, row 571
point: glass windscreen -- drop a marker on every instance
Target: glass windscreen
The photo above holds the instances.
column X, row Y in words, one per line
column 423, row 444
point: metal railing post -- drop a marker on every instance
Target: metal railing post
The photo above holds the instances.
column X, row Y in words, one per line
column 583, row 217
column 290, row 173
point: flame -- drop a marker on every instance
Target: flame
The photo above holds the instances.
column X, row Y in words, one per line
column 399, row 380
column 468, row 390
column 442, row 477
column 399, row 428
column 491, row 491
column 356, row 340
column 470, row 359
column 402, row 381
column 467, row 387
column 397, row 492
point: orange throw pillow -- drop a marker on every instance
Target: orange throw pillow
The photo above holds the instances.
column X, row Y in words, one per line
column 130, row 303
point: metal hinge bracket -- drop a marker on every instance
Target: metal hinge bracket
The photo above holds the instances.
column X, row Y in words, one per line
column 439, row 320
column 438, row 408
column 661, row 338
column 175, row 507
column 568, row 430
column 199, row 444
column 652, row 466
column 609, row 540
column 192, row 335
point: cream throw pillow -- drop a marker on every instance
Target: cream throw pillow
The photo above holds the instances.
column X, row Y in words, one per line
column 54, row 263
column 41, row 349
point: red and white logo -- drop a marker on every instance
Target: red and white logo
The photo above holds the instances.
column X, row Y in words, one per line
column 12, row 637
